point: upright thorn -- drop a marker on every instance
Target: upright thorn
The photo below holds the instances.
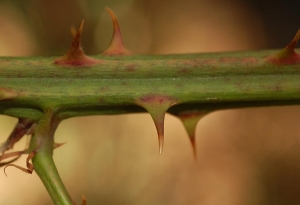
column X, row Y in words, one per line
column 75, row 55
column 292, row 45
column 116, row 46
column 287, row 55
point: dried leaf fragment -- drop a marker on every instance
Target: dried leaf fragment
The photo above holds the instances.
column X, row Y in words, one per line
column 17, row 154
column 29, row 166
column 23, row 127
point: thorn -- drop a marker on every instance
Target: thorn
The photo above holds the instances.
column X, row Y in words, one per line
column 76, row 49
column 83, row 200
column 75, row 55
column 57, row 145
column 190, row 120
column 116, row 46
column 292, row 45
column 157, row 106
column 287, row 55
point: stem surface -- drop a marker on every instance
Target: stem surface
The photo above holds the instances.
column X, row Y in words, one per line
column 196, row 81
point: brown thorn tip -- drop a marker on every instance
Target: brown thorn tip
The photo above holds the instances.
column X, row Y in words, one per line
column 77, row 33
column 75, row 55
column 76, row 41
column 57, row 145
column 293, row 43
column 81, row 26
column 161, row 143
column 73, row 31
column 83, row 200
column 287, row 56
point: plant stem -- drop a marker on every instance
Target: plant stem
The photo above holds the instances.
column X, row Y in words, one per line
column 42, row 142
column 195, row 81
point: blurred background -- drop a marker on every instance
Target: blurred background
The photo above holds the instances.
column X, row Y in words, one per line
column 245, row 156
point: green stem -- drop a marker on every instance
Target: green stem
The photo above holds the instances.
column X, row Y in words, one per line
column 42, row 142
column 195, row 81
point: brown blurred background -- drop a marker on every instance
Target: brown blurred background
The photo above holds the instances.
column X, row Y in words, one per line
column 245, row 156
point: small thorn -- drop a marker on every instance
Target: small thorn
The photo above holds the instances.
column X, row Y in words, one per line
column 57, row 145
column 157, row 106
column 190, row 120
column 287, row 56
column 292, row 45
column 116, row 46
column 16, row 154
column 75, row 55
column 83, row 200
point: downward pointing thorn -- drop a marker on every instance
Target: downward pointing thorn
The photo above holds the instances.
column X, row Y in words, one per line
column 157, row 105
column 190, row 120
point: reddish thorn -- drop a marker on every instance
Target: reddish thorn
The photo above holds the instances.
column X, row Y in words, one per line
column 190, row 120
column 57, row 145
column 83, row 200
column 116, row 46
column 286, row 56
column 157, row 105
column 75, row 55
column 292, row 45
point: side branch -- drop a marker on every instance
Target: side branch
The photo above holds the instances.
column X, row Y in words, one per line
column 42, row 141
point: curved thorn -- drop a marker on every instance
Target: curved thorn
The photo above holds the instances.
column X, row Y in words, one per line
column 287, row 55
column 293, row 43
column 83, row 200
column 116, row 46
column 57, row 145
